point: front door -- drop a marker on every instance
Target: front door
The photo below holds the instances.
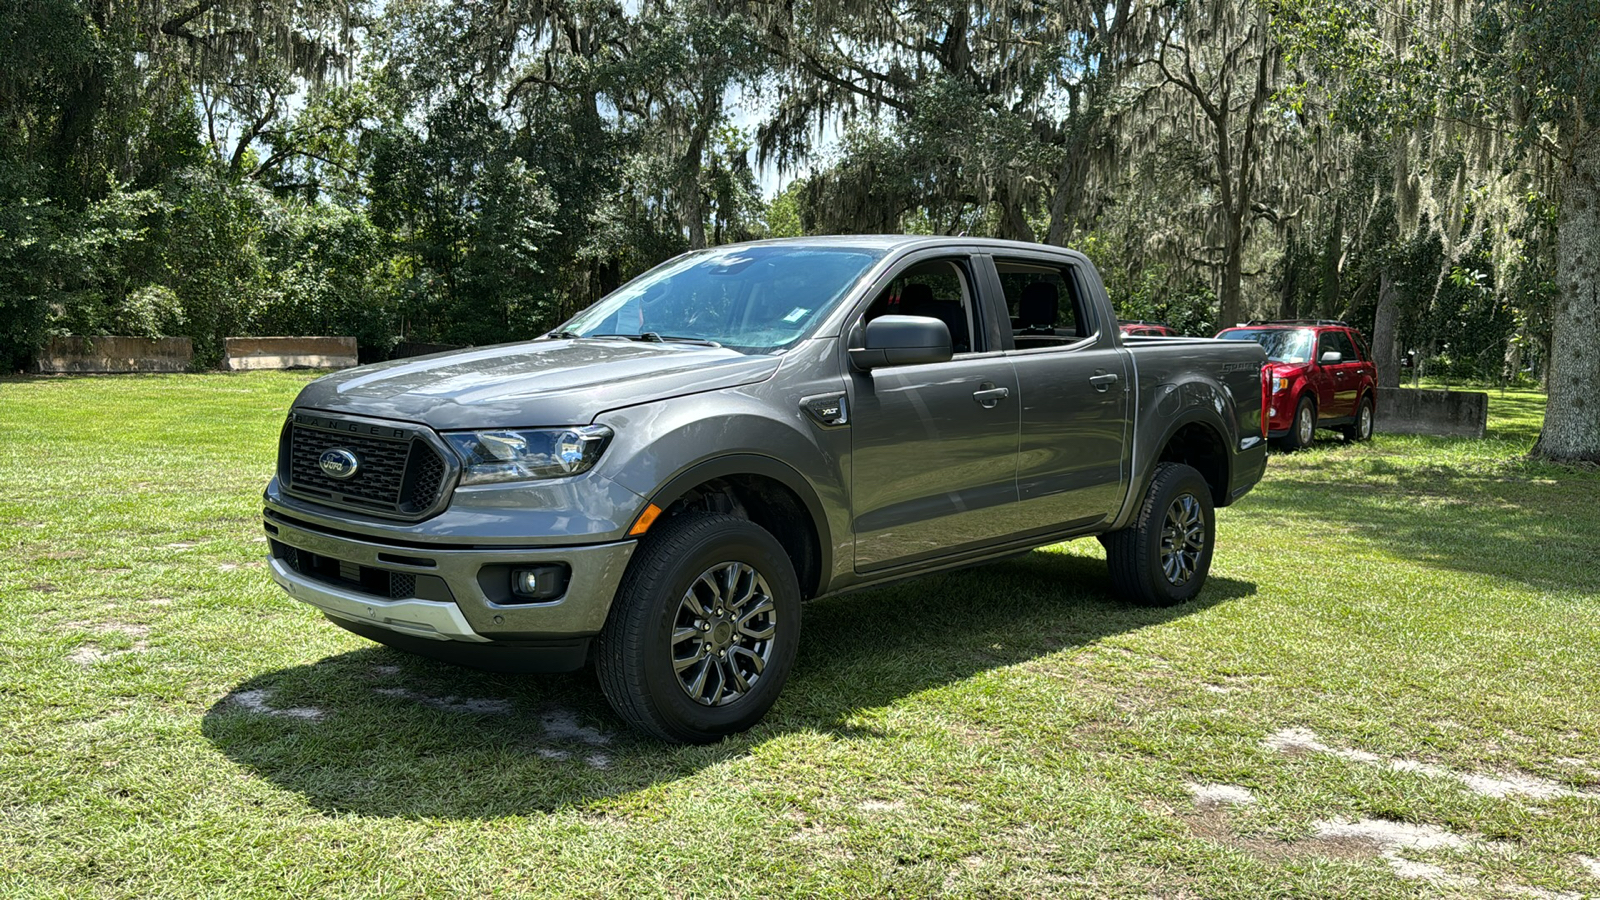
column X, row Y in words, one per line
column 1339, row 383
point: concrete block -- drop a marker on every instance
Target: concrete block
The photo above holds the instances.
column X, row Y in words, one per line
column 243, row 353
column 1444, row 413
column 100, row 355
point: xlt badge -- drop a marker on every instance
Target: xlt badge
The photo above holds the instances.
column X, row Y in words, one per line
column 827, row 409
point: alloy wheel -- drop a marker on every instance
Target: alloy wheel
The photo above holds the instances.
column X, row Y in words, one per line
column 1183, row 539
column 722, row 636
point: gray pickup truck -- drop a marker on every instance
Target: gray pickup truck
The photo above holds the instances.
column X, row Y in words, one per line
column 657, row 485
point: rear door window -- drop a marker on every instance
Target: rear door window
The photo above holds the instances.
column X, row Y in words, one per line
column 1043, row 303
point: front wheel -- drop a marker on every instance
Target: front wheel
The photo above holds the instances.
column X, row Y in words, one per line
column 1304, row 428
column 1163, row 558
column 703, row 631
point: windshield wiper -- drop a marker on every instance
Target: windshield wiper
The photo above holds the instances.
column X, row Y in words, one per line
column 559, row 335
column 651, row 337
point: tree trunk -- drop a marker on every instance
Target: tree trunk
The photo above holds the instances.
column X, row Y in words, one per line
column 1572, row 418
column 1232, row 277
column 1385, row 347
column 1329, row 305
column 1013, row 221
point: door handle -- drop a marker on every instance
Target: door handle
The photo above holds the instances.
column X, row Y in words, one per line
column 1102, row 382
column 990, row 397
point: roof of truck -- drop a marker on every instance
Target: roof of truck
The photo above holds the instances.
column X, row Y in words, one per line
column 903, row 241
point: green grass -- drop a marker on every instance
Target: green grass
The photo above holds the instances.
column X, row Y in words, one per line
column 1005, row 731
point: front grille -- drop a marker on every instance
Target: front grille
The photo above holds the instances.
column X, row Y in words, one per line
column 397, row 477
column 428, row 477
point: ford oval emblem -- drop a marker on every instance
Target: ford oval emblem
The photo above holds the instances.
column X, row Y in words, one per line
column 340, row 464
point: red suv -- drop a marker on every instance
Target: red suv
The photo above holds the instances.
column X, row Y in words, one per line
column 1319, row 374
column 1142, row 328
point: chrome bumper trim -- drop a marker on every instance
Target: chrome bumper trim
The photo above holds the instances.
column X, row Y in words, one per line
column 432, row 619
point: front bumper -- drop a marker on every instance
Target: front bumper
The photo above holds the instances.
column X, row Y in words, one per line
column 443, row 593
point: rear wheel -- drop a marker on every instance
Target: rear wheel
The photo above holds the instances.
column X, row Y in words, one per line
column 703, row 631
column 1361, row 428
column 1304, row 427
column 1163, row 558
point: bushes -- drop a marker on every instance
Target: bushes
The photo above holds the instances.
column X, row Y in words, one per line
column 203, row 257
column 329, row 274
column 74, row 271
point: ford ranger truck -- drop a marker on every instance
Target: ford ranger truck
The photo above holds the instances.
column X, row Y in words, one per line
column 658, row 485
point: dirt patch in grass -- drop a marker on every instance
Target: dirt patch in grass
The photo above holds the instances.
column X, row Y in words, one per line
column 258, row 702
column 881, row 806
column 562, row 725
column 1212, row 822
column 1220, row 795
column 1299, row 741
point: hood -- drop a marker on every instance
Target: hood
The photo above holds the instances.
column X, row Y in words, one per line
column 533, row 384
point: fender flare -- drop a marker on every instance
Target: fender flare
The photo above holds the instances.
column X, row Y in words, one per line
column 755, row 464
column 1212, row 424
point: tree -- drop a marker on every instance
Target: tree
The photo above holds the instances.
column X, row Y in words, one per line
column 1224, row 60
column 1489, row 110
column 955, row 111
column 1538, row 71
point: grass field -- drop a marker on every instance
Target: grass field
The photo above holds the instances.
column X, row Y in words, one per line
column 1388, row 689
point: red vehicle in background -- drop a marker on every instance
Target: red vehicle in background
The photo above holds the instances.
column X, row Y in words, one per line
column 1319, row 374
column 1147, row 329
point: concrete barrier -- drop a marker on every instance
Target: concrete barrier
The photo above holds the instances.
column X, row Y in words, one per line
column 1444, row 413
column 240, row 354
column 98, row 355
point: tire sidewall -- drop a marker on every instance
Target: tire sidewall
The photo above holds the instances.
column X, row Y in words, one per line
column 1167, row 491
column 753, row 547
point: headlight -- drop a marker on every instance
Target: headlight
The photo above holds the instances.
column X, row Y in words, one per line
column 490, row 457
column 1280, row 384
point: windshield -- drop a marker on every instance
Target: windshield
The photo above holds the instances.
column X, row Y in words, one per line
column 1283, row 345
column 757, row 299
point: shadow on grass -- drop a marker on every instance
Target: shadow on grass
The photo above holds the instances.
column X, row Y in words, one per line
column 380, row 732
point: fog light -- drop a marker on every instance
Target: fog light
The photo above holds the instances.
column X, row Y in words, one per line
column 540, row 582
column 1273, row 413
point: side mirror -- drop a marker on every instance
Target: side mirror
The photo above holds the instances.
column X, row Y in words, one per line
column 1332, row 358
column 902, row 341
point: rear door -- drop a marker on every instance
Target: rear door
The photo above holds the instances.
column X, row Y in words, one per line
column 1076, row 383
column 934, row 447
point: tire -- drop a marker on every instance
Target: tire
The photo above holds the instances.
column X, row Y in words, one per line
column 1162, row 559
column 688, row 567
column 1361, row 429
column 1304, row 428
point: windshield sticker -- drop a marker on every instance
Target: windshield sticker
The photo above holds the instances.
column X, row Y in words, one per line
column 796, row 314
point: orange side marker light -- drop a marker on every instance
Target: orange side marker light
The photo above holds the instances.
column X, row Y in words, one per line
column 645, row 520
